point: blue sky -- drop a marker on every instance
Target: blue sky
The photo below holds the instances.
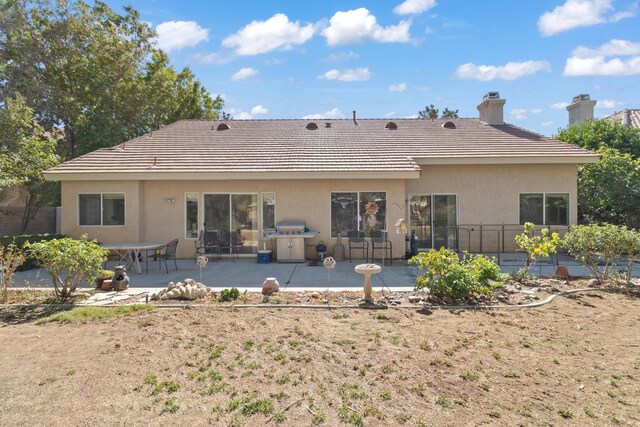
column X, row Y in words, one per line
column 295, row 59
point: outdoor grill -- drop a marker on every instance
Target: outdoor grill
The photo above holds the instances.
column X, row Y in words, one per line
column 290, row 237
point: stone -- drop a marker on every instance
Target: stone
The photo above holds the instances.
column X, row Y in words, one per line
column 325, row 301
column 414, row 299
column 270, row 286
column 120, row 280
column 396, row 302
column 593, row 282
column 315, row 295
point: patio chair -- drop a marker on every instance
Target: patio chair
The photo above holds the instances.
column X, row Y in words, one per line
column 166, row 252
column 379, row 241
column 357, row 242
column 208, row 243
column 229, row 244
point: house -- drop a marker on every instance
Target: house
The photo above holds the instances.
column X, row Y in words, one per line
column 627, row 117
column 457, row 182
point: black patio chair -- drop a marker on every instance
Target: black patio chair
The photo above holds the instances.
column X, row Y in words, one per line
column 208, row 244
column 166, row 252
column 357, row 242
column 379, row 241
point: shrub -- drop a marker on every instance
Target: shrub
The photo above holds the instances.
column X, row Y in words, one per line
column 597, row 245
column 449, row 276
column 69, row 262
column 229, row 294
column 537, row 247
column 10, row 259
column 19, row 242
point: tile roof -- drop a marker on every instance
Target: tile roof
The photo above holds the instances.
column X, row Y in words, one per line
column 288, row 146
column 632, row 117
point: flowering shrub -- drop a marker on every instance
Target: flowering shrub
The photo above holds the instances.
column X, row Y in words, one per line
column 447, row 275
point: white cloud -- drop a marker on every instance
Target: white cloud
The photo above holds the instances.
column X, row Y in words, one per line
column 509, row 71
column 273, row 61
column 579, row 13
column 559, row 105
column 608, row 103
column 594, row 62
column 518, row 113
column 357, row 26
column 414, row 7
column 244, row 115
column 390, row 114
column 259, row 109
column 341, row 56
column 400, row 87
column 351, row 75
column 244, row 73
column 175, row 35
column 536, row 110
column 331, row 114
column 547, row 124
column 276, row 32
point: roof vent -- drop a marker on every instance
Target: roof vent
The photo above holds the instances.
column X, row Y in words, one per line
column 449, row 125
column 327, row 125
column 312, row 126
column 491, row 95
column 223, row 126
column 391, row 126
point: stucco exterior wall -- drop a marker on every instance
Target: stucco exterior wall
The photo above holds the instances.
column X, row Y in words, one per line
column 148, row 204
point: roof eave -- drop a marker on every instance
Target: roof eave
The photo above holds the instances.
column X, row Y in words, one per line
column 506, row 160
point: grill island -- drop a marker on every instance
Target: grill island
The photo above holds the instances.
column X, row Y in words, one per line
column 290, row 237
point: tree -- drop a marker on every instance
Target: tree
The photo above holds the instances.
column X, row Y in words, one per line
column 84, row 69
column 69, row 262
column 431, row 112
column 25, row 151
column 596, row 134
column 608, row 191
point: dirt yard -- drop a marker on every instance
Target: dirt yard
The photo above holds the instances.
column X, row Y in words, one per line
column 575, row 361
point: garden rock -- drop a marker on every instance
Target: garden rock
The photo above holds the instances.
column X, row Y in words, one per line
column 120, row 280
column 189, row 290
column 593, row 282
column 414, row 299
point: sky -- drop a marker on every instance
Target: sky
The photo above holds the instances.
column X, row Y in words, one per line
column 323, row 59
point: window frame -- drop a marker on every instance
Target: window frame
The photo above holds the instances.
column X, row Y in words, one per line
column 275, row 210
column 358, row 212
column 544, row 206
column 101, row 194
column 186, row 195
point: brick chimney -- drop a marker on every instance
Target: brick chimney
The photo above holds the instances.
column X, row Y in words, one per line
column 491, row 109
column 581, row 109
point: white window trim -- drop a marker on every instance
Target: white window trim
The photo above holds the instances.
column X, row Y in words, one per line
column 198, row 221
column 124, row 196
column 544, row 207
column 275, row 210
column 358, row 208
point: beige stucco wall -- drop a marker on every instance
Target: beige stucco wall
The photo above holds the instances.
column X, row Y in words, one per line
column 487, row 194
column 147, row 205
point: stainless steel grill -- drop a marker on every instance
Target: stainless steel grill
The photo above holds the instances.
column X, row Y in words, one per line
column 290, row 237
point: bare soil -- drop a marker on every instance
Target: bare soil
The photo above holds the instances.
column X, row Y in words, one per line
column 574, row 361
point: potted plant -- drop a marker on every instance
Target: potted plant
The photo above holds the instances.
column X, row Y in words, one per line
column 103, row 275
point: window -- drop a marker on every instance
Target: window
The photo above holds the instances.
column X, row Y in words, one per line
column 363, row 211
column 101, row 209
column 544, row 208
column 268, row 210
column 191, row 217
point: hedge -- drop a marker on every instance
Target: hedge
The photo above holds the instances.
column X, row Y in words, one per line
column 20, row 240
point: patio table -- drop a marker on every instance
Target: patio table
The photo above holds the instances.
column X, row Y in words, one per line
column 130, row 251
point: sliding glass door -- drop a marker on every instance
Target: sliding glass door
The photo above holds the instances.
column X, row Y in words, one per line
column 434, row 218
column 236, row 217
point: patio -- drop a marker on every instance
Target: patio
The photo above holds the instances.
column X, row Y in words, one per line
column 245, row 273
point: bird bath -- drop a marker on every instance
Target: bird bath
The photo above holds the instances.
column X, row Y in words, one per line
column 367, row 270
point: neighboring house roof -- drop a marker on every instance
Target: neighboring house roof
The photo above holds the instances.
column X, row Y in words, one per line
column 251, row 149
column 626, row 117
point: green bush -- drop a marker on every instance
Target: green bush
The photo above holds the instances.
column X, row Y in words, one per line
column 601, row 246
column 229, row 295
column 447, row 275
column 19, row 242
column 69, row 262
column 537, row 247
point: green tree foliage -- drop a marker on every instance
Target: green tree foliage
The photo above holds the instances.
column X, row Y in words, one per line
column 84, row 70
column 69, row 262
column 608, row 190
column 449, row 276
column 537, row 247
column 597, row 134
column 25, row 151
column 600, row 247
column 431, row 112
